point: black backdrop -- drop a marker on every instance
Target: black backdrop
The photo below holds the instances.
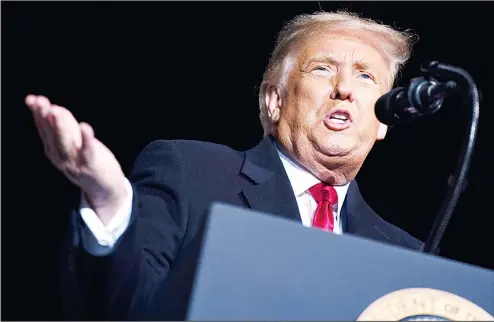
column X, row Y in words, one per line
column 144, row 71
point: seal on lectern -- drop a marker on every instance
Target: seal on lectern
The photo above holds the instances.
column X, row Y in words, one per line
column 423, row 304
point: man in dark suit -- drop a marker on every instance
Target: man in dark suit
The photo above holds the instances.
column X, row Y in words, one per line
column 133, row 242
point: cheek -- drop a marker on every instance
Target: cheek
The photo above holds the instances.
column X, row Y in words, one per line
column 367, row 102
column 314, row 96
column 306, row 100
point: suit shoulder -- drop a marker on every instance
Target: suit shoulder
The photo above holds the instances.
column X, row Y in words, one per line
column 185, row 150
column 190, row 146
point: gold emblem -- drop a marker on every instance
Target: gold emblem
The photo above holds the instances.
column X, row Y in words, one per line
column 423, row 304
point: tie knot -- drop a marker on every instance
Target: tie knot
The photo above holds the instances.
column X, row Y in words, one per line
column 324, row 192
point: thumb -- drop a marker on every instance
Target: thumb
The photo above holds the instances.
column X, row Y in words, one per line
column 87, row 134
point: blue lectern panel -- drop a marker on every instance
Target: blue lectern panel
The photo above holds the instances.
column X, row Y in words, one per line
column 259, row 267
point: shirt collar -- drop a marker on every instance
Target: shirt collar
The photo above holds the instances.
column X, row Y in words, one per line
column 301, row 179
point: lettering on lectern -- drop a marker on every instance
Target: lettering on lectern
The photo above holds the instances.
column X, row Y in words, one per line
column 423, row 304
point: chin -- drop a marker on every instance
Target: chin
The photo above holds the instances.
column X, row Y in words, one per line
column 336, row 150
column 337, row 146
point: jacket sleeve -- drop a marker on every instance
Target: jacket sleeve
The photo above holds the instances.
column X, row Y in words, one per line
column 121, row 285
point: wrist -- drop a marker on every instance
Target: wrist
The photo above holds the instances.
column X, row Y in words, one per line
column 107, row 202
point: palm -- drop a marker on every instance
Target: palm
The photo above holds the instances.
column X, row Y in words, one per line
column 73, row 149
column 95, row 170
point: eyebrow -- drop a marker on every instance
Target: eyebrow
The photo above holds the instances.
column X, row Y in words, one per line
column 357, row 64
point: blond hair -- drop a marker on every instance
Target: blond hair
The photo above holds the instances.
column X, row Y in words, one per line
column 395, row 45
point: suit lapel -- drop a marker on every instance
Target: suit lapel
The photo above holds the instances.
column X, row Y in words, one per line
column 268, row 189
column 359, row 219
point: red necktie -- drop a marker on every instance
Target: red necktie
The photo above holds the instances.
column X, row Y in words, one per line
column 325, row 196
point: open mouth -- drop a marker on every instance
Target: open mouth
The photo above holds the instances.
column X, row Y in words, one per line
column 338, row 120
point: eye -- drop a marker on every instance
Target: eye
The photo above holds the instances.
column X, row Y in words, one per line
column 322, row 68
column 366, row 76
column 323, row 71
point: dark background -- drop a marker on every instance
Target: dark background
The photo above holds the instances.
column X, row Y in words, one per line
column 152, row 70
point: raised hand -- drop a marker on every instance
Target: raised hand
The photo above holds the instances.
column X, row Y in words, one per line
column 73, row 149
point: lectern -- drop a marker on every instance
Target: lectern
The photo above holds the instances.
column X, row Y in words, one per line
column 254, row 266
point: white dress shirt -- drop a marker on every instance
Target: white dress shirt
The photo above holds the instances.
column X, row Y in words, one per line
column 99, row 239
column 301, row 180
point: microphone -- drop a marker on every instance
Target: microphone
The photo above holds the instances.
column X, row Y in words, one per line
column 422, row 96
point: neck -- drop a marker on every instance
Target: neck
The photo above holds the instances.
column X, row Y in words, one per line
column 333, row 170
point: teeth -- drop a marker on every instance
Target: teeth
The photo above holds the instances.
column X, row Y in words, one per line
column 335, row 120
column 339, row 117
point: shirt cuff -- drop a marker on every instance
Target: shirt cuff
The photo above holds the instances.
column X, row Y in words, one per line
column 98, row 238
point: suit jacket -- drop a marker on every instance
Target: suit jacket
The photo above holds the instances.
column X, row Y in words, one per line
column 149, row 274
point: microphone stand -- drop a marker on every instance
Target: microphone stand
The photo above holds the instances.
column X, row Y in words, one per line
column 438, row 70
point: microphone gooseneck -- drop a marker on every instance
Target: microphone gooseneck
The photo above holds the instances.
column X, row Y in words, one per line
column 471, row 97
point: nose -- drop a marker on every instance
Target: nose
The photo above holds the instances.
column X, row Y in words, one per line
column 343, row 88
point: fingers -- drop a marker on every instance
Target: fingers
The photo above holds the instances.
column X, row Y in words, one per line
column 87, row 134
column 29, row 100
column 58, row 129
column 66, row 132
column 39, row 107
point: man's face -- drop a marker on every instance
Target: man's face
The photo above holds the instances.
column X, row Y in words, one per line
column 327, row 110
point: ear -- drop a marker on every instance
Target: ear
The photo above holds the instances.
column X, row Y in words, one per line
column 381, row 131
column 273, row 101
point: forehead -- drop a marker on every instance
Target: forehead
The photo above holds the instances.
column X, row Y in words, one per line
column 343, row 48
